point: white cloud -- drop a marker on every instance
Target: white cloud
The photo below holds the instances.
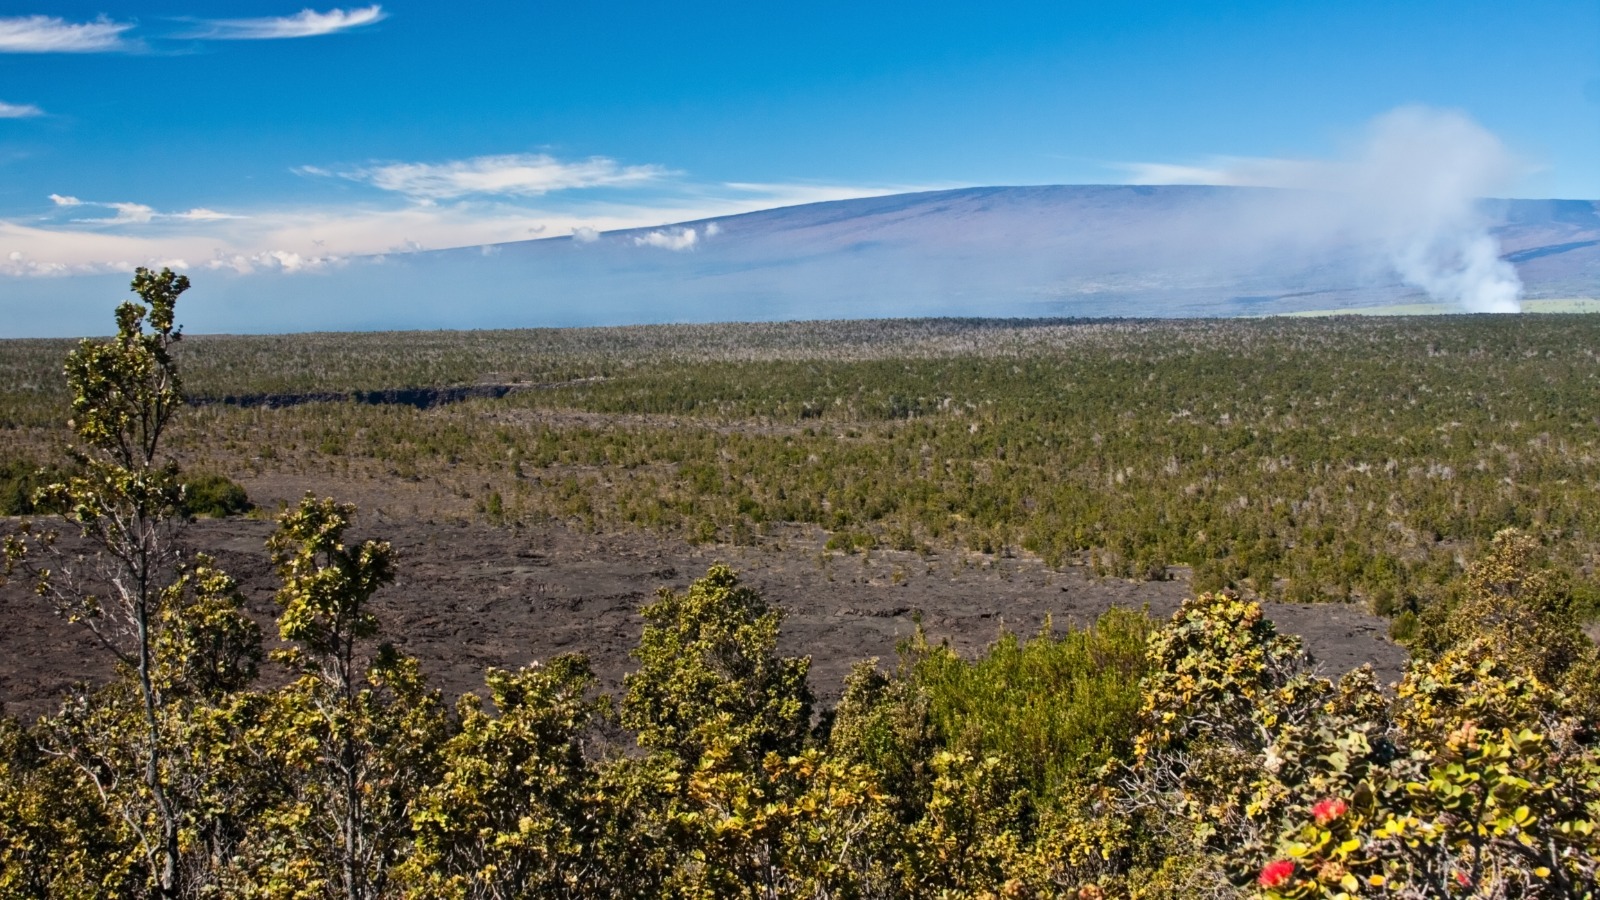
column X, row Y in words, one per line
column 271, row 261
column 49, row 34
column 201, row 214
column 17, row 263
column 305, row 23
column 132, row 213
column 524, row 175
column 1229, row 171
column 139, row 213
column 669, row 239
column 19, row 110
column 127, row 214
column 583, row 234
column 713, row 229
column 768, row 195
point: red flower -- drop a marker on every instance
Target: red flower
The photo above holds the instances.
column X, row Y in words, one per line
column 1463, row 880
column 1327, row 810
column 1276, row 873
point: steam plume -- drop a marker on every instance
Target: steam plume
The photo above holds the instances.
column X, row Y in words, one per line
column 1419, row 177
column 1409, row 193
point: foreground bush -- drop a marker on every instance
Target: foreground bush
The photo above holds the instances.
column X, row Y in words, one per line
column 1480, row 777
column 1229, row 769
column 1058, row 708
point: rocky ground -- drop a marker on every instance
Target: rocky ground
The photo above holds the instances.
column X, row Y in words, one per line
column 469, row 596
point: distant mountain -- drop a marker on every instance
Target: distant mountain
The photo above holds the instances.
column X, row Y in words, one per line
column 992, row 251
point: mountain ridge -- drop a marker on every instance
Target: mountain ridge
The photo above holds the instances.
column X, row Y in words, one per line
column 1019, row 251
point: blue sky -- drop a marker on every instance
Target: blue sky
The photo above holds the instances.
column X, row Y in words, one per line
column 261, row 135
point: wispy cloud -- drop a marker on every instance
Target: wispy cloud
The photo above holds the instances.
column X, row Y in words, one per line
column 50, row 34
column 522, row 175
column 127, row 214
column 19, row 110
column 201, row 214
column 1229, row 171
column 305, row 23
column 138, row 213
column 791, row 194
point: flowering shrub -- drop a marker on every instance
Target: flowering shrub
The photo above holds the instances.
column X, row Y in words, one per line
column 1493, row 788
column 1328, row 810
column 1276, row 873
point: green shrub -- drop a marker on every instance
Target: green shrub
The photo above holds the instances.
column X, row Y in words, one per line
column 20, row 481
column 1060, row 708
column 851, row 541
column 214, row 496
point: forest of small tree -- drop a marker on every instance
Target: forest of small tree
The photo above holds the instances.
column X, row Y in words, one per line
column 1441, row 471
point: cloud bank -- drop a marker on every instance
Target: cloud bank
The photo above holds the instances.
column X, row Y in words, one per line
column 468, row 202
column 50, row 34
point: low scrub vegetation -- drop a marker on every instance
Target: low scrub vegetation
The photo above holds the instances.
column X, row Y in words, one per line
column 1306, row 460
column 1198, row 756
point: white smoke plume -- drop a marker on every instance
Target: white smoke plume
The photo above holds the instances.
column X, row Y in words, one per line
column 1419, row 179
column 1408, row 194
